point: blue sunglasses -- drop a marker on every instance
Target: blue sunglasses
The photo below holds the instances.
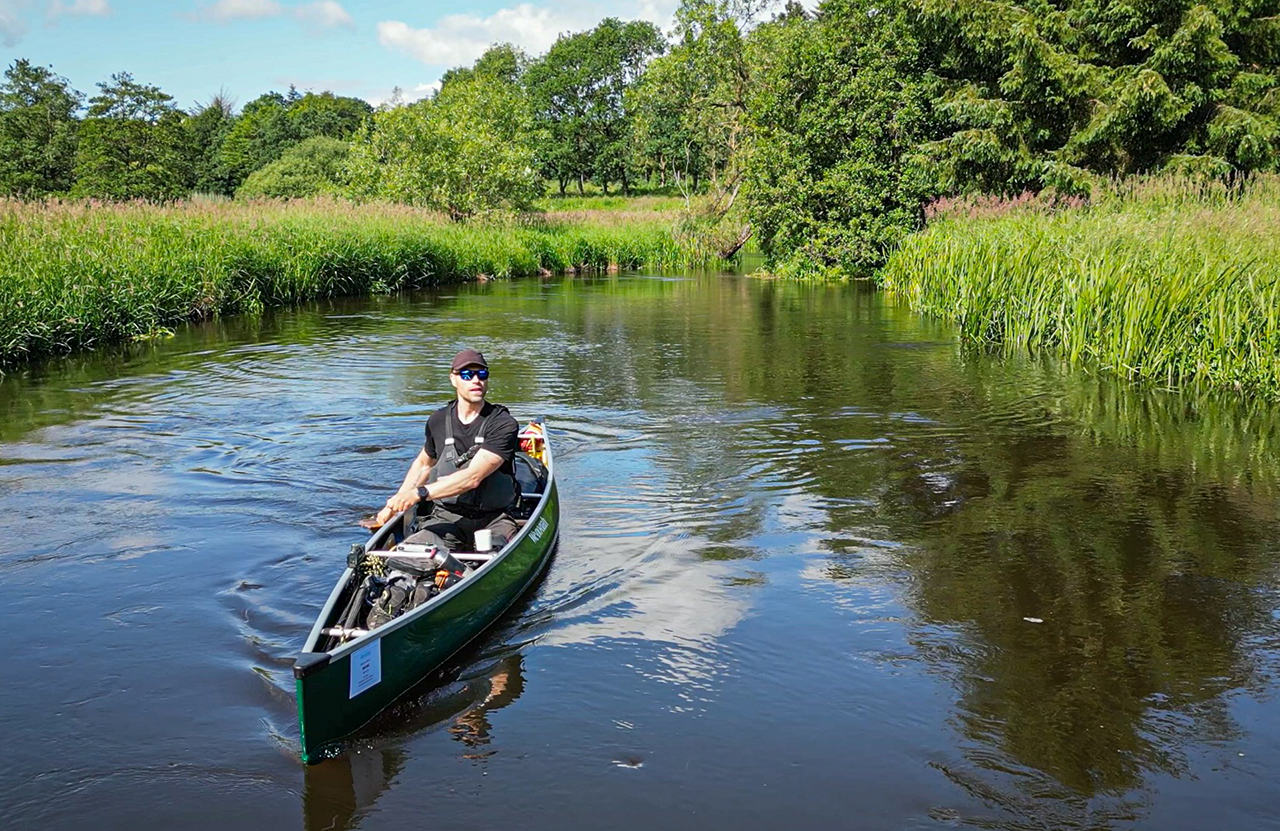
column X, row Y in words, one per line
column 468, row 374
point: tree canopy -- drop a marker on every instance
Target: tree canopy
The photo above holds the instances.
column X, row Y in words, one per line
column 868, row 110
column 835, row 127
column 132, row 144
column 272, row 123
column 314, row 166
column 1048, row 93
column 578, row 93
column 466, row 151
column 831, row 175
column 38, row 131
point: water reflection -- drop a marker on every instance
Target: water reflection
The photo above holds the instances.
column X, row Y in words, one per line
column 1095, row 600
column 1001, row 593
column 1147, row 586
column 472, row 727
column 339, row 793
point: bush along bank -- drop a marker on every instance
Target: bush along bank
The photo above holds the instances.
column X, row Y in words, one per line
column 1167, row 282
column 80, row 275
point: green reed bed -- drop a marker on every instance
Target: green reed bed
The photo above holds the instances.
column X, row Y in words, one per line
column 1166, row 282
column 79, row 275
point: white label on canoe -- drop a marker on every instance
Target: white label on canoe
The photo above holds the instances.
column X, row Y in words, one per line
column 366, row 668
column 539, row 530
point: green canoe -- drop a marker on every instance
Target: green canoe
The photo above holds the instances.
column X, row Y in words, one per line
column 345, row 676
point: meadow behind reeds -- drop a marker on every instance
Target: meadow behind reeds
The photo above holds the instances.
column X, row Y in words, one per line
column 78, row 275
column 1171, row 282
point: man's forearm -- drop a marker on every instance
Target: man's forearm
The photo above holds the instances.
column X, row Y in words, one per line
column 460, row 481
column 417, row 475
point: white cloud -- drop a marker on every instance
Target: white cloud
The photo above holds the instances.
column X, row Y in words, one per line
column 16, row 16
column 322, row 14
column 326, row 14
column 461, row 38
column 224, row 10
column 13, row 24
column 91, row 8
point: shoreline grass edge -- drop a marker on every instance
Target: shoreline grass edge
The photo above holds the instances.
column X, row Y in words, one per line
column 76, row 276
column 1167, row 283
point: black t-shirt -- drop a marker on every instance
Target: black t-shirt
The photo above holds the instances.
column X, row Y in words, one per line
column 500, row 433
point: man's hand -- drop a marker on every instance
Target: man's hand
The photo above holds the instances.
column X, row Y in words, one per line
column 400, row 500
column 397, row 503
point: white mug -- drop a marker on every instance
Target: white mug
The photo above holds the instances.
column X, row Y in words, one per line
column 484, row 539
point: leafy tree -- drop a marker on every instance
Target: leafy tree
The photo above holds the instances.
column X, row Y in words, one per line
column 663, row 139
column 1054, row 91
column 259, row 136
column 316, row 165
column 619, row 52
column 132, row 144
column 504, row 61
column 38, row 129
column 716, row 74
column 578, row 92
column 207, row 129
column 558, row 92
column 838, row 105
column 690, row 105
column 326, row 114
column 466, row 151
column 272, row 123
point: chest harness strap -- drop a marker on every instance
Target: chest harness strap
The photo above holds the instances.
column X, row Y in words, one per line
column 498, row 490
column 460, row 460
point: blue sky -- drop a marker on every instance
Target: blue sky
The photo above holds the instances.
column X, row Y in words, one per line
column 192, row 49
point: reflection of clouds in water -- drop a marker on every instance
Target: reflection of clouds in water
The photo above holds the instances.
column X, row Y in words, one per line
column 647, row 567
column 857, row 559
column 856, row 585
column 667, row 599
column 679, row 603
column 798, row 511
column 112, row 508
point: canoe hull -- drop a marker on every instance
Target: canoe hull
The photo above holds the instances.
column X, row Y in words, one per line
column 341, row 691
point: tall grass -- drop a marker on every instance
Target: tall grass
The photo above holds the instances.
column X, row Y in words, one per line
column 1170, row 282
column 77, row 275
column 648, row 204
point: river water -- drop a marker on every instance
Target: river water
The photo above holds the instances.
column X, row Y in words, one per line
column 820, row 567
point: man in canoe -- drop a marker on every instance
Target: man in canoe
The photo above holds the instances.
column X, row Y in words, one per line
column 464, row 469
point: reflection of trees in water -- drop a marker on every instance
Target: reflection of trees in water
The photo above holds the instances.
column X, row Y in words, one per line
column 338, row 792
column 1135, row 525
column 1144, row 572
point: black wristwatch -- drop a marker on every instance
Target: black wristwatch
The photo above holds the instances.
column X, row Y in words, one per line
column 422, row 494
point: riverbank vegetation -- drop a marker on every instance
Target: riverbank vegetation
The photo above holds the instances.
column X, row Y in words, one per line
column 79, row 274
column 1162, row 280
column 821, row 137
column 823, row 133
